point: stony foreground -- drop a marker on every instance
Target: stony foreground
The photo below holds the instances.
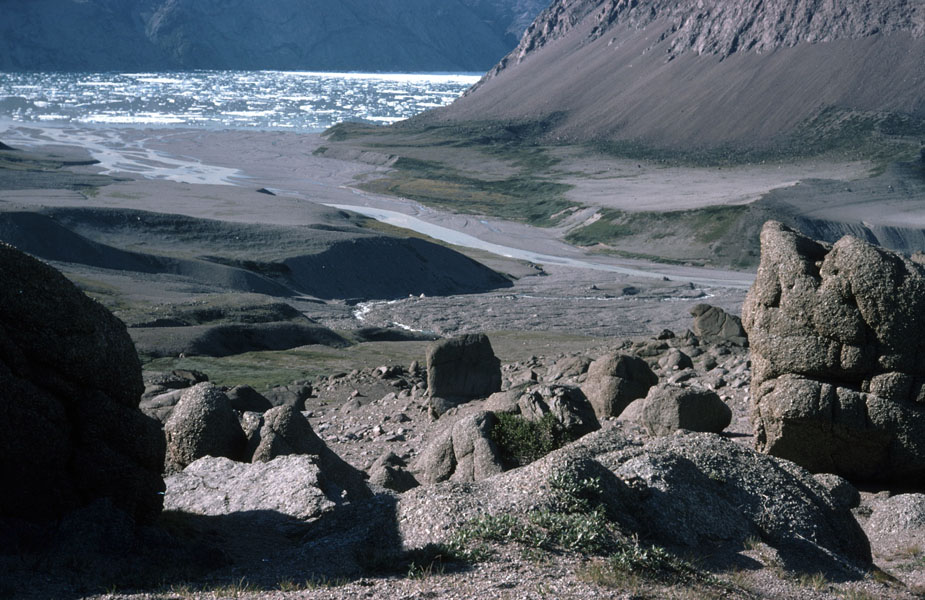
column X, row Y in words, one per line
column 624, row 470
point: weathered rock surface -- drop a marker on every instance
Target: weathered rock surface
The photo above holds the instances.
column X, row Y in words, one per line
column 293, row 395
column 713, row 323
column 463, row 452
column 203, row 424
column 159, row 407
column 615, row 380
column 285, row 431
column 840, row 489
column 690, row 489
column 463, row 368
column 71, row 431
column 568, row 405
column 244, row 398
column 389, row 471
column 290, row 485
column 897, row 524
column 668, row 408
column 837, row 338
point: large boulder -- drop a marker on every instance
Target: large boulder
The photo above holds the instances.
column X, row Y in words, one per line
column 668, row 408
column 837, row 337
column 897, row 523
column 462, row 452
column 203, row 424
column 70, row 431
column 462, row 368
column 285, row 431
column 290, row 485
column 244, row 398
column 568, row 405
column 614, row 380
column 714, row 324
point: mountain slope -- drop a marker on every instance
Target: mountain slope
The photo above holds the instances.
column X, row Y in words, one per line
column 700, row 74
column 399, row 35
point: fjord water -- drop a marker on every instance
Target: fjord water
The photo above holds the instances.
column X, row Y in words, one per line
column 265, row 100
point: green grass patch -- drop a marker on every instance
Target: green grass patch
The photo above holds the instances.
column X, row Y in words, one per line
column 529, row 195
column 704, row 225
column 521, row 441
column 269, row 368
column 256, row 369
column 526, row 199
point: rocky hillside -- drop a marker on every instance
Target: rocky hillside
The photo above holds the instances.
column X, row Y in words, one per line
column 707, row 74
column 415, row 35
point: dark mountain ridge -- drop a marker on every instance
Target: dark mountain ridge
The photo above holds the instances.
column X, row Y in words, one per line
column 398, row 35
column 695, row 73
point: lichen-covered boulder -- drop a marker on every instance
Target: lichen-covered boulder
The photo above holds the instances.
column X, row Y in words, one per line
column 203, row 424
column 70, row 382
column 837, row 336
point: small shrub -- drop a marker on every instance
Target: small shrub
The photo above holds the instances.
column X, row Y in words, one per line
column 816, row 581
column 633, row 563
column 752, row 542
column 578, row 523
column 522, row 442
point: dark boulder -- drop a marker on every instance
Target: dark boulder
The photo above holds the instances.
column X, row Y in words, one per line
column 244, row 398
column 463, row 368
column 71, row 431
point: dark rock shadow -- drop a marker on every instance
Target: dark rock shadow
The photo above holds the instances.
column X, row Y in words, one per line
column 260, row 550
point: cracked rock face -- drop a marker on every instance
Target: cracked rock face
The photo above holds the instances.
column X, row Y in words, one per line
column 838, row 355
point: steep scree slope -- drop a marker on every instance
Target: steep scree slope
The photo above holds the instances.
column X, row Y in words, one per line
column 696, row 73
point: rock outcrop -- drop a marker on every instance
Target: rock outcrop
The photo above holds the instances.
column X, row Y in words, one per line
column 615, row 380
column 290, row 485
column 285, row 431
column 71, row 431
column 837, row 339
column 463, row 452
column 461, row 369
column 691, row 489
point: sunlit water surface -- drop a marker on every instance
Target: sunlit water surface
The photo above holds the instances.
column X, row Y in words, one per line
column 300, row 101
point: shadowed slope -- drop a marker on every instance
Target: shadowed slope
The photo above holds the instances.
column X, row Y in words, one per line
column 320, row 261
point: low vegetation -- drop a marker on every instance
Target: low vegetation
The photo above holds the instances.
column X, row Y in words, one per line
column 525, row 197
column 522, row 441
column 716, row 230
column 576, row 522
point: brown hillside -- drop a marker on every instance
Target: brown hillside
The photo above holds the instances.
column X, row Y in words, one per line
column 695, row 74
